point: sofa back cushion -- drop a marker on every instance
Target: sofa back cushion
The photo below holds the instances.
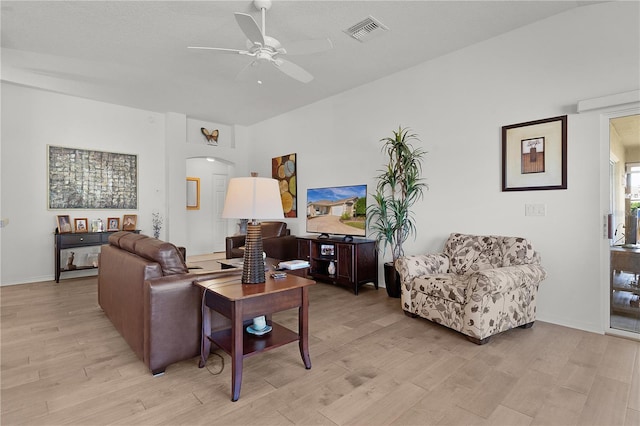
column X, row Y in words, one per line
column 273, row 229
column 471, row 253
column 165, row 254
column 517, row 251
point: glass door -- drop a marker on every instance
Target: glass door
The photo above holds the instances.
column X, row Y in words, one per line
column 624, row 173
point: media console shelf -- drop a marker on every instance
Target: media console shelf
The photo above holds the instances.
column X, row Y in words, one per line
column 349, row 262
column 76, row 240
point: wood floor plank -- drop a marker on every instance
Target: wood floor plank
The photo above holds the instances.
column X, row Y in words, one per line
column 606, row 403
column 62, row 362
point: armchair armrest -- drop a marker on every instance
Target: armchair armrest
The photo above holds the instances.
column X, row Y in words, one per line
column 409, row 267
column 233, row 242
column 281, row 248
column 502, row 280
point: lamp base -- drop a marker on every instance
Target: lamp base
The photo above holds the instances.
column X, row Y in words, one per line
column 253, row 267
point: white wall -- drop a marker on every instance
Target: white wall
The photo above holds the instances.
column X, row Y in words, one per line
column 458, row 104
column 31, row 119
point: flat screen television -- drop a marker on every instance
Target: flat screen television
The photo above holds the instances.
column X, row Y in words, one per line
column 337, row 210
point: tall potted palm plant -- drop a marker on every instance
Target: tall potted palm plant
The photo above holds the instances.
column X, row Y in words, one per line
column 399, row 185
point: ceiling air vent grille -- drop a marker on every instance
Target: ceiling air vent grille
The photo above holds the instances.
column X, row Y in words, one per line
column 366, row 29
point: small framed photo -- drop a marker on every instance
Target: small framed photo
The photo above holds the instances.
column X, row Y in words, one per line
column 113, row 224
column 64, row 224
column 327, row 250
column 534, row 155
column 81, row 224
column 129, row 222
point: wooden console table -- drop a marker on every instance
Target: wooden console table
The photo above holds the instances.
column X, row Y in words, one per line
column 241, row 303
column 75, row 240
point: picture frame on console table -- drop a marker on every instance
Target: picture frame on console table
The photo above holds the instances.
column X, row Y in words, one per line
column 64, row 223
column 81, row 225
column 129, row 222
column 534, row 155
column 113, row 224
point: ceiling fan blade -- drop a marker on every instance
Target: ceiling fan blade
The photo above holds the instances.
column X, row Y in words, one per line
column 220, row 49
column 250, row 28
column 292, row 70
column 305, row 47
column 247, row 70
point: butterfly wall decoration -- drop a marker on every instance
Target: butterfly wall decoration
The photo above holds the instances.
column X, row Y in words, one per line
column 210, row 135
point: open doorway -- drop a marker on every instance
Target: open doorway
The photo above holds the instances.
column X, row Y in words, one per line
column 624, row 180
column 206, row 230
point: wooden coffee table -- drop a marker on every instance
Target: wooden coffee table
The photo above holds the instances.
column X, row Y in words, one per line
column 241, row 303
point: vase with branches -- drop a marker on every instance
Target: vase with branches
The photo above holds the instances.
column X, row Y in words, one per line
column 156, row 221
column 399, row 186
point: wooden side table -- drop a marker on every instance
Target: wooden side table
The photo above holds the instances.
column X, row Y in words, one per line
column 241, row 303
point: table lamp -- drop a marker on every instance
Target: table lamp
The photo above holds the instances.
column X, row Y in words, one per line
column 253, row 198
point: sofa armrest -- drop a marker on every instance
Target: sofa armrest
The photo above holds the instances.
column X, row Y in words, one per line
column 172, row 318
column 409, row 267
column 233, row 242
column 502, row 280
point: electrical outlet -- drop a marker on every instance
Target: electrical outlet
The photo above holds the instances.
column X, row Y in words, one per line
column 535, row 209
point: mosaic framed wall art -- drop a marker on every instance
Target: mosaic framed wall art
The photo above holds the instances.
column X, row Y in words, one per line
column 86, row 179
column 284, row 170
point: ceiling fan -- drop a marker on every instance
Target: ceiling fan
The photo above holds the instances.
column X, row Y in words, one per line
column 267, row 49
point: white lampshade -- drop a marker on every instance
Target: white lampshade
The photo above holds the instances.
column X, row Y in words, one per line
column 253, row 198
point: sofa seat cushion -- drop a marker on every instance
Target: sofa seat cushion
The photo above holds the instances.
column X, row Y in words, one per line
column 445, row 286
column 470, row 253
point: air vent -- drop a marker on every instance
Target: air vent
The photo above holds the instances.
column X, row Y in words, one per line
column 366, row 29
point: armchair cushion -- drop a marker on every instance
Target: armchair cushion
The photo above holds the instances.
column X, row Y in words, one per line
column 469, row 253
column 517, row 251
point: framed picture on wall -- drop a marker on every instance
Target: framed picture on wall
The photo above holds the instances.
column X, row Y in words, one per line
column 534, row 155
column 284, row 170
column 81, row 224
column 129, row 222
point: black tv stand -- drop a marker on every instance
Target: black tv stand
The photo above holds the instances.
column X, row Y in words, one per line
column 323, row 235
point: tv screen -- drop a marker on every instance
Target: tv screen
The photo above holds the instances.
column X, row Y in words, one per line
column 338, row 210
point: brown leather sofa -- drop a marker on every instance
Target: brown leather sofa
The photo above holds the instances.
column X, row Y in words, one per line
column 277, row 242
column 147, row 291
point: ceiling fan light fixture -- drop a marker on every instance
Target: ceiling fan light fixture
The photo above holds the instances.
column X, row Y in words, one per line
column 366, row 29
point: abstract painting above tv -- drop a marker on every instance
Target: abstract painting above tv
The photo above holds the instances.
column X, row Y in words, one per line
column 338, row 210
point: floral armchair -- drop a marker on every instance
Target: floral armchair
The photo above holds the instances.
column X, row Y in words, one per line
column 479, row 285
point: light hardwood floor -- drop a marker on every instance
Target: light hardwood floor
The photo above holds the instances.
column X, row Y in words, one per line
column 63, row 363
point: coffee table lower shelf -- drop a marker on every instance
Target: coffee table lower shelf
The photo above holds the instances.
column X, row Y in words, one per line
column 252, row 344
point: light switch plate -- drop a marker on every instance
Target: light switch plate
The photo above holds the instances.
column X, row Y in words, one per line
column 535, row 209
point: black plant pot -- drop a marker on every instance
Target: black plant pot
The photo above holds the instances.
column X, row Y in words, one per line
column 391, row 280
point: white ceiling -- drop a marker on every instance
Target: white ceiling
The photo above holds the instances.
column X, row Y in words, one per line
column 134, row 52
column 628, row 128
